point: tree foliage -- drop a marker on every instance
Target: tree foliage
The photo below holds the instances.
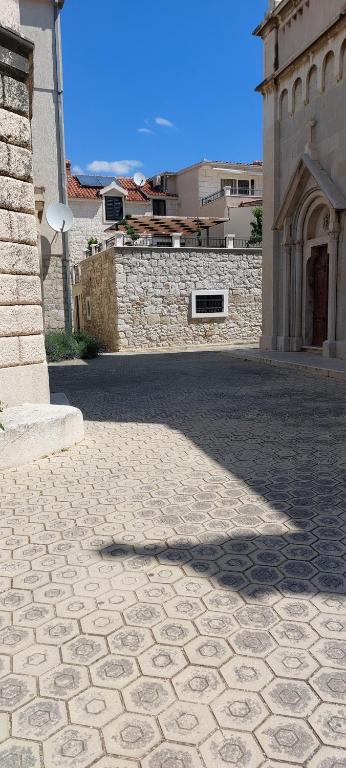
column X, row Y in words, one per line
column 257, row 227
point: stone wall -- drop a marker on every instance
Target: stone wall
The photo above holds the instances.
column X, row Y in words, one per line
column 23, row 368
column 151, row 303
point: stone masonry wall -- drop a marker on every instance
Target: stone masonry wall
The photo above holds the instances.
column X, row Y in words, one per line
column 23, row 368
column 153, row 295
column 98, row 278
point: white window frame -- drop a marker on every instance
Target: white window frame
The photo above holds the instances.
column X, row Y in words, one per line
column 88, row 307
column 209, row 292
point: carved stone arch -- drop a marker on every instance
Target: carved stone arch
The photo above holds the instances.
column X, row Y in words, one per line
column 328, row 70
column 341, row 60
column 311, row 83
column 297, row 95
column 283, row 104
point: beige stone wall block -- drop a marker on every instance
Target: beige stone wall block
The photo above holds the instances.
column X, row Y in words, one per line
column 15, row 95
column 9, row 14
column 24, row 384
column 15, row 161
column 20, row 289
column 15, row 129
column 17, row 227
column 9, row 352
column 31, row 349
column 17, row 195
column 19, row 259
column 19, row 320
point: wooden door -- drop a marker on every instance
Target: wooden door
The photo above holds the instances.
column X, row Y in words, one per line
column 320, row 297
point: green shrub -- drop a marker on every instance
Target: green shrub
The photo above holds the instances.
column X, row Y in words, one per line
column 61, row 345
column 88, row 345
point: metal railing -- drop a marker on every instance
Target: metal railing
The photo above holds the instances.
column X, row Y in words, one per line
column 233, row 192
column 197, row 242
column 239, row 243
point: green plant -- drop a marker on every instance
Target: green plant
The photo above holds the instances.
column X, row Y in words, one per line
column 92, row 241
column 61, row 345
column 256, row 227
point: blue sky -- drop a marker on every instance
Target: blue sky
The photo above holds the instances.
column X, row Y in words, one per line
column 155, row 85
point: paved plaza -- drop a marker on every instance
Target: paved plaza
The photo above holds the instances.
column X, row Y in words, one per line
column 173, row 590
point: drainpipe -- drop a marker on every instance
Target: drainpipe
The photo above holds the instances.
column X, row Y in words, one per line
column 58, row 5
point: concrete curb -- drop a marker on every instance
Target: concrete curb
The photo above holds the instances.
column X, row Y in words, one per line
column 306, row 366
column 33, row 431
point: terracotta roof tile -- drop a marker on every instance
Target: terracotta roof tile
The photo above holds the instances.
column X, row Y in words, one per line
column 135, row 194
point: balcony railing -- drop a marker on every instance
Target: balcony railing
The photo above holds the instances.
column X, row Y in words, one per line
column 233, row 192
column 197, row 242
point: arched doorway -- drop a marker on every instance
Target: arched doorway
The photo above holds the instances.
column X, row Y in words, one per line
column 317, row 299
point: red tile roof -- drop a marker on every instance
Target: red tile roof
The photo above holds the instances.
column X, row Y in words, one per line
column 134, row 193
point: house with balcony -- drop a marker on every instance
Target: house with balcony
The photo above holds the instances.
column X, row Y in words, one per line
column 97, row 202
column 227, row 190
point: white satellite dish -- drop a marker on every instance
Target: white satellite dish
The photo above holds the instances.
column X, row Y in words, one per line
column 59, row 217
column 139, row 179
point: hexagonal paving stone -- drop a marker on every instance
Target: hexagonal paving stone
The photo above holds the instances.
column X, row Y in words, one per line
column 64, row 681
column 326, row 757
column 298, row 664
column 295, row 610
column 216, row 624
column 39, row 719
column 162, row 661
column 95, row 706
column 114, row 671
column 230, row 748
column 155, row 593
column 330, row 685
column 15, row 753
column 116, row 600
column 187, row 723
column 5, row 665
column 15, row 639
column 253, row 642
column 144, row 615
column 208, row 651
column 73, row 747
column 15, row 691
column 294, row 634
column 332, row 626
column 101, row 622
column 4, row 727
column 329, row 722
column 148, row 696
column 287, row 738
column 219, row 600
column 200, row 683
column 256, row 617
column 170, row 755
column 330, row 653
column 241, row 711
column 84, row 649
column 246, row 673
column 131, row 736
column 115, row 762
column 75, row 607
column 33, row 615
column 57, row 631
column 285, row 697
column 36, row 660
column 174, row 631
column 182, row 608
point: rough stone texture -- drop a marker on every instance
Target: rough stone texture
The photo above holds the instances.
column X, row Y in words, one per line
column 53, row 271
column 18, row 227
column 20, row 289
column 33, row 431
column 24, row 384
column 208, row 502
column 143, row 299
column 15, row 129
column 17, row 195
column 16, row 161
column 20, row 320
column 15, row 95
column 19, row 259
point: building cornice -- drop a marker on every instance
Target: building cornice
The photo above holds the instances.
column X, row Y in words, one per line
column 269, row 81
column 15, row 52
column 272, row 18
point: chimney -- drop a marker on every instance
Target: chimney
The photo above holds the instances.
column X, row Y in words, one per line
column 68, row 167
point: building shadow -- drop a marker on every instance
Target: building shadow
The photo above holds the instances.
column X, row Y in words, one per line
column 280, row 437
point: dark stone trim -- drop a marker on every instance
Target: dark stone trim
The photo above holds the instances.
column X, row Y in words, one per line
column 15, row 54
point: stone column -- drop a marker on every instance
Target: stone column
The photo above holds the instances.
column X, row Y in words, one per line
column 329, row 346
column 23, row 367
column 297, row 340
column 284, row 342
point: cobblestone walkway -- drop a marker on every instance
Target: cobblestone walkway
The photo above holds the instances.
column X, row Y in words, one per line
column 173, row 589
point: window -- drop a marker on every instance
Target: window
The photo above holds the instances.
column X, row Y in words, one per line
column 114, row 210
column 209, row 303
column 243, row 187
column 159, row 207
column 232, row 183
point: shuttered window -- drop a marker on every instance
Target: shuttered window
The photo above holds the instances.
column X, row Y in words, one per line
column 114, row 210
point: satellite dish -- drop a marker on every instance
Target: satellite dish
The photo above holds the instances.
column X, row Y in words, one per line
column 139, row 179
column 59, row 217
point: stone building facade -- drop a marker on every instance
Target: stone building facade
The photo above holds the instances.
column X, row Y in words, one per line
column 23, row 368
column 138, row 298
column 304, row 242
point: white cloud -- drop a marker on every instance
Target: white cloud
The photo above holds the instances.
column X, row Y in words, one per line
column 121, row 167
column 164, row 121
column 144, row 130
column 77, row 169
